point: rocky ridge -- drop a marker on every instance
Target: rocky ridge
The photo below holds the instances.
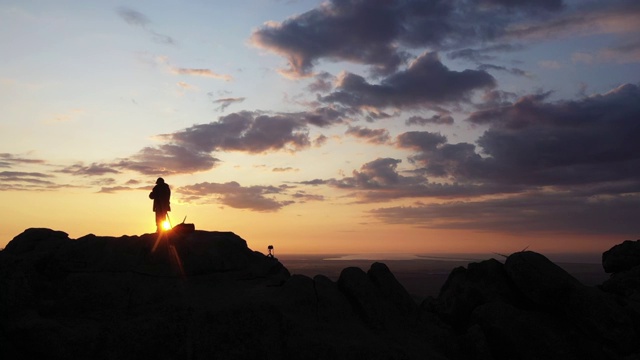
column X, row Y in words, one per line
column 204, row 295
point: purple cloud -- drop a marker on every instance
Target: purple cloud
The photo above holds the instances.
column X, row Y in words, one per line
column 426, row 82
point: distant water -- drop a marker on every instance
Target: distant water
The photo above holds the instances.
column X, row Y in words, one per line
column 401, row 256
column 582, row 258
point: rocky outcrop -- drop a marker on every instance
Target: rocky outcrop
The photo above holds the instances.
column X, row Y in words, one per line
column 203, row 295
column 195, row 295
column 530, row 308
column 622, row 257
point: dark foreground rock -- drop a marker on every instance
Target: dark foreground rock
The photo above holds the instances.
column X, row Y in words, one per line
column 206, row 295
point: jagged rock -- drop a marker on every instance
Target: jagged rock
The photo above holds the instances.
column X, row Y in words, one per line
column 622, row 257
column 391, row 289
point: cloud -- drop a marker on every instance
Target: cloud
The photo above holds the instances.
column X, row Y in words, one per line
column 594, row 17
column 136, row 18
column 302, row 196
column 376, row 33
column 540, row 165
column 25, row 177
column 27, row 180
column 533, row 142
column 201, row 72
column 538, row 143
column 323, row 82
column 437, row 119
column 373, row 136
column 285, row 169
column 536, row 212
column 626, row 52
column 245, row 131
column 167, row 159
column 94, row 169
column 9, row 160
column 512, row 71
column 190, row 150
column 234, row 195
column 226, row 102
column 483, row 54
column 425, row 82
column 380, row 181
column 542, row 4
column 115, row 189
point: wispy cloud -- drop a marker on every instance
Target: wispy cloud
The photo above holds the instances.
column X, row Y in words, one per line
column 136, row 18
column 232, row 194
column 201, row 72
column 224, row 103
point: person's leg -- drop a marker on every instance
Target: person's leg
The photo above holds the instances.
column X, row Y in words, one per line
column 160, row 218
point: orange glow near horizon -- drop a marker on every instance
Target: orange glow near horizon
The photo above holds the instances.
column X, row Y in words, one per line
column 166, row 225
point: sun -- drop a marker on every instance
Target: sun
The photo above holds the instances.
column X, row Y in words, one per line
column 166, row 225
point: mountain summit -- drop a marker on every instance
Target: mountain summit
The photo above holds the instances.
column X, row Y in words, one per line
column 206, row 295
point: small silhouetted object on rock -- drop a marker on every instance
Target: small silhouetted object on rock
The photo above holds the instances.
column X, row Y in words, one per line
column 161, row 204
column 271, row 252
column 184, row 228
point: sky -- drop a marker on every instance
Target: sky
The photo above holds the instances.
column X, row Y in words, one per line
column 342, row 126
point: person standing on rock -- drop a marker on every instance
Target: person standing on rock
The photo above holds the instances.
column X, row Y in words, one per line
column 161, row 205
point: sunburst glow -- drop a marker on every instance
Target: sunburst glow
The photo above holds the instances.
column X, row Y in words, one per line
column 166, row 225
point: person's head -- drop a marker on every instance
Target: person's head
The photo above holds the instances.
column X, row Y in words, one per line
column 160, row 181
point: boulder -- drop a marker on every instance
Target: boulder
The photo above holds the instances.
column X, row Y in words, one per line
column 622, row 257
column 540, row 280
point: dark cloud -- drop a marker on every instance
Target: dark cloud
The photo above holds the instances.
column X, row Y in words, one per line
column 94, row 169
column 245, row 131
column 314, row 182
column 373, row 136
column 538, row 143
column 377, row 32
column 438, row 119
column 425, row 82
column 538, row 212
column 540, row 166
column 323, row 82
column 136, row 18
column 379, row 181
column 380, row 173
column 232, row 194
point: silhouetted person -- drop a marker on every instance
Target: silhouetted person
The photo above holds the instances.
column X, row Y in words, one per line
column 161, row 205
